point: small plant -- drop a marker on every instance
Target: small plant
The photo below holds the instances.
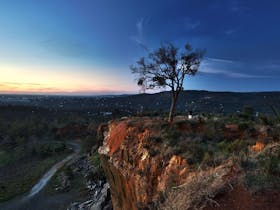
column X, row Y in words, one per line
column 153, row 138
column 243, row 126
column 267, row 120
column 67, row 171
column 96, row 162
column 172, row 136
column 276, row 113
column 263, row 172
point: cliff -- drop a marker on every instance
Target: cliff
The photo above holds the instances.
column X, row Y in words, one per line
column 138, row 167
column 146, row 170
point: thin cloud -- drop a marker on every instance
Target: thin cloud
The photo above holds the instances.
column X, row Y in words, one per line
column 139, row 37
column 139, row 26
column 232, row 74
column 25, row 87
column 237, row 7
column 190, row 24
column 19, row 84
column 249, row 76
column 220, row 60
column 230, row 31
column 217, row 66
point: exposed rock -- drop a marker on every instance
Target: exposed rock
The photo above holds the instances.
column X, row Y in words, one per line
column 100, row 200
column 104, row 196
column 80, row 165
column 261, row 137
column 138, row 168
column 258, row 146
column 98, row 197
column 145, row 173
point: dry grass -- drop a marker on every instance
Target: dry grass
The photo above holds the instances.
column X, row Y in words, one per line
column 201, row 187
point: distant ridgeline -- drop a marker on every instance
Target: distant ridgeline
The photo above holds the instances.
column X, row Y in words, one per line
column 195, row 101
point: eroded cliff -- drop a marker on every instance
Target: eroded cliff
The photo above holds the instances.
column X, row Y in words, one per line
column 137, row 166
column 151, row 164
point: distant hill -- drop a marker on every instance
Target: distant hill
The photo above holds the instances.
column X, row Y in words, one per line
column 198, row 101
column 230, row 101
column 202, row 101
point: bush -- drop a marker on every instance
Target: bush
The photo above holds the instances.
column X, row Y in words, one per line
column 172, row 136
column 243, row 126
column 89, row 142
column 156, row 139
column 95, row 161
column 67, row 171
column 264, row 172
column 48, row 148
column 266, row 120
column 232, row 147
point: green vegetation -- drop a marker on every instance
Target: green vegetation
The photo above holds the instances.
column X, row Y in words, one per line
column 27, row 150
column 21, row 176
column 32, row 139
column 69, row 178
column 44, row 149
column 208, row 142
column 276, row 113
column 95, row 161
column 89, row 142
column 263, row 171
column 56, row 183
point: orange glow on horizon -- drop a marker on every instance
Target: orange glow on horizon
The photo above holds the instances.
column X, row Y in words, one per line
column 26, row 80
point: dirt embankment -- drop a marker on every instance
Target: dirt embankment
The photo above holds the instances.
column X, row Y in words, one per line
column 145, row 173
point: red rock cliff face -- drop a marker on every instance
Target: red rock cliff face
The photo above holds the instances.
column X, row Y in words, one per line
column 137, row 166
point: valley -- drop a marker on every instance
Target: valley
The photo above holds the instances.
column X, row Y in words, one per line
column 49, row 155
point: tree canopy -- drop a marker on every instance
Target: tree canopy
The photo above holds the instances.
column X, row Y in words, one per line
column 168, row 66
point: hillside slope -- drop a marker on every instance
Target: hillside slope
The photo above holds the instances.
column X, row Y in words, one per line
column 196, row 164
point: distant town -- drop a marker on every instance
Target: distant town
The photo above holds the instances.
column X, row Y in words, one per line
column 125, row 105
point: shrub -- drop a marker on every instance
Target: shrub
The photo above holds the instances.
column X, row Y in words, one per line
column 243, row 126
column 266, row 120
column 154, row 138
column 96, row 162
column 276, row 113
column 88, row 142
column 172, row 136
column 67, row 171
column 208, row 159
column 263, row 172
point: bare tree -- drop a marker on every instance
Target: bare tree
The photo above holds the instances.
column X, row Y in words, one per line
column 168, row 66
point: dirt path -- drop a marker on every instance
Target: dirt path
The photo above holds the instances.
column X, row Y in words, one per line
column 34, row 197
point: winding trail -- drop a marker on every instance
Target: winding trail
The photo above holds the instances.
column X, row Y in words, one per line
column 18, row 201
column 47, row 176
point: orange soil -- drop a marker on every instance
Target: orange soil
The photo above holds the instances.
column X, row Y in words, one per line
column 258, row 146
column 117, row 136
column 242, row 199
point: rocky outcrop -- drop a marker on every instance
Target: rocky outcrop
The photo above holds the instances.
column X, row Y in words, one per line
column 138, row 166
column 99, row 201
column 97, row 188
column 145, row 170
column 102, row 199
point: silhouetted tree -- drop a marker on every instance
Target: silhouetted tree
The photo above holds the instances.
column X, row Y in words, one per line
column 168, row 66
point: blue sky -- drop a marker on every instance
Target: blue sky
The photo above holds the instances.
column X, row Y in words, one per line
column 87, row 46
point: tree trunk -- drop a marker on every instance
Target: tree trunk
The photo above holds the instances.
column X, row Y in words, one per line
column 172, row 108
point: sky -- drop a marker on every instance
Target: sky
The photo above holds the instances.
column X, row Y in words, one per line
column 86, row 46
